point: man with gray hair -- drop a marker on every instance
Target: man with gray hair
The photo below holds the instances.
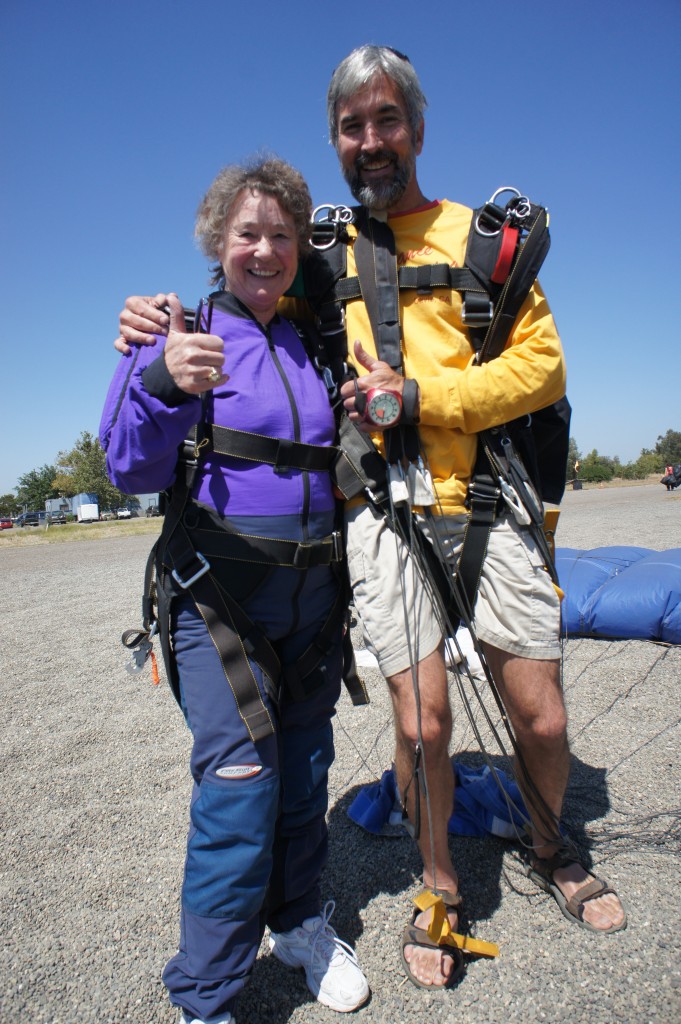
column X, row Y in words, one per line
column 375, row 108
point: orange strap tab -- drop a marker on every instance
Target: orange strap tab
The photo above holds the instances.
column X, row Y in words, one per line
column 440, row 931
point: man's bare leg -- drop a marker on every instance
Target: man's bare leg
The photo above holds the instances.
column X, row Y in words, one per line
column 430, row 966
column 533, row 698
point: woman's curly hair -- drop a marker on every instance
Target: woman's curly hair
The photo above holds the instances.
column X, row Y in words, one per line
column 269, row 176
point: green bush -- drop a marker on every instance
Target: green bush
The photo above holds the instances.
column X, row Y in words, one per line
column 595, row 472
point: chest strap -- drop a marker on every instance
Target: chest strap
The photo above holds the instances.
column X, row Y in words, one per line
column 477, row 309
column 279, row 452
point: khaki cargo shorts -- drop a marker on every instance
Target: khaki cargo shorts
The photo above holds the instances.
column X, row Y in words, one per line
column 517, row 608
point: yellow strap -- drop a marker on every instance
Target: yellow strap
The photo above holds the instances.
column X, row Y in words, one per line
column 550, row 526
column 440, row 931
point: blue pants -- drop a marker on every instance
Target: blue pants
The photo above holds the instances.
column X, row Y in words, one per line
column 257, row 840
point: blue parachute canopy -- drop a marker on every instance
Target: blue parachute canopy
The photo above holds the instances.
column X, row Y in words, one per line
column 624, row 593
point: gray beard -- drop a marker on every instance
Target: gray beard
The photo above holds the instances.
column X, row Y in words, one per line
column 381, row 195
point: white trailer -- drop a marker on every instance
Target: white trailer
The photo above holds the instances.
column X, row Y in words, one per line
column 85, row 508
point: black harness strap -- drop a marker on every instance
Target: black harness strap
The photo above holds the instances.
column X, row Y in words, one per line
column 229, row 630
column 483, row 502
column 279, row 452
column 376, row 262
column 247, row 547
column 484, row 493
column 421, row 279
column 523, row 274
column 180, row 567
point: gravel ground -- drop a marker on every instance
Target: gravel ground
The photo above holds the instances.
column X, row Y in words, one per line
column 95, row 790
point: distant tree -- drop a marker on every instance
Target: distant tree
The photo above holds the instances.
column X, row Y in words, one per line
column 595, row 468
column 668, row 448
column 64, row 481
column 646, row 464
column 9, row 505
column 574, row 456
column 83, row 469
column 34, row 488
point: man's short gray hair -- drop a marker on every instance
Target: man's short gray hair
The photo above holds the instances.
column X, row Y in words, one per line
column 360, row 68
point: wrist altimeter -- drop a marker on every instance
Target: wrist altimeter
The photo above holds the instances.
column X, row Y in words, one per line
column 383, row 407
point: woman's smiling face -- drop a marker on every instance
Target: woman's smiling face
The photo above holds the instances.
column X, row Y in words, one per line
column 259, row 253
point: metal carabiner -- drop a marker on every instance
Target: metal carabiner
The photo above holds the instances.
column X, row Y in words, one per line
column 517, row 210
column 510, row 496
column 338, row 216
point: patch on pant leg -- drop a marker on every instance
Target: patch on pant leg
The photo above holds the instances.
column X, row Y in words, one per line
column 238, row 771
column 229, row 852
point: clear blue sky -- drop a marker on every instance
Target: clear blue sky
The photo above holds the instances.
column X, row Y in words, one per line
column 115, row 117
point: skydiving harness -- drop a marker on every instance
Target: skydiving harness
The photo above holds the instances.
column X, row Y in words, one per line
column 201, row 555
column 518, row 463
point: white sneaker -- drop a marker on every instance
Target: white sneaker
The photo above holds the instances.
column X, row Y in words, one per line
column 331, row 969
column 184, row 1019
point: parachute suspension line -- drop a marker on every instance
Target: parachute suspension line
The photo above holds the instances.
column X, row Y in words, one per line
column 463, row 674
column 419, row 774
column 545, row 822
column 543, row 818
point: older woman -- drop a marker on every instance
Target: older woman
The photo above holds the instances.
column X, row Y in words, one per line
column 249, row 607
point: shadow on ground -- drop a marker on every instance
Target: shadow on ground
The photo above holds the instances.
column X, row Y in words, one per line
column 363, row 867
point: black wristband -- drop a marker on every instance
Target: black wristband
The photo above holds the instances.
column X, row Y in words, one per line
column 410, row 401
column 160, row 384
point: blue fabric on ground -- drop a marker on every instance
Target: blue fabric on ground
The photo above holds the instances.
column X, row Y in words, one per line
column 627, row 593
column 484, row 805
column 480, row 807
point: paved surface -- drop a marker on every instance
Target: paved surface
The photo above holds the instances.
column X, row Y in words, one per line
column 95, row 790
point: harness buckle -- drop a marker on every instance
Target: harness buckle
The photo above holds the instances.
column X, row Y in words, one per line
column 281, row 459
column 482, row 499
column 327, row 377
column 482, row 316
column 326, row 232
column 337, row 546
column 483, row 488
column 333, row 324
column 309, row 554
column 204, row 567
column 301, row 559
column 188, row 452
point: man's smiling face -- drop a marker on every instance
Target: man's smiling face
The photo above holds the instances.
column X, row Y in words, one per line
column 376, row 147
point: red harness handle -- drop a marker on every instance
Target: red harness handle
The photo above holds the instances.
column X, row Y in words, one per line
column 509, row 242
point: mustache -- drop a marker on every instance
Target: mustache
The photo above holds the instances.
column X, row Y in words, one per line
column 364, row 159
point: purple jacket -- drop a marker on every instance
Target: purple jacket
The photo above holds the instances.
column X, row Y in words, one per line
column 273, row 389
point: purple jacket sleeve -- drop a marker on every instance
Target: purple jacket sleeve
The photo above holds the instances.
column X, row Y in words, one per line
column 145, row 418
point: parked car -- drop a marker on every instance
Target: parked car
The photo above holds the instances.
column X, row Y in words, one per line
column 31, row 518
column 124, row 513
column 56, row 518
column 107, row 514
column 5, row 523
column 153, row 510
